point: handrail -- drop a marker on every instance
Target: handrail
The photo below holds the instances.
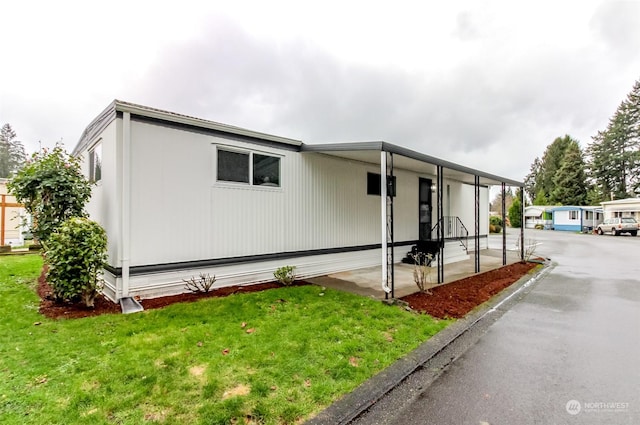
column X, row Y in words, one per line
column 454, row 229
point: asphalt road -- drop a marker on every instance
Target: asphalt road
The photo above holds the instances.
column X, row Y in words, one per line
column 566, row 352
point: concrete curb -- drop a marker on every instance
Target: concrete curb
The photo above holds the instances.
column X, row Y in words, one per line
column 368, row 393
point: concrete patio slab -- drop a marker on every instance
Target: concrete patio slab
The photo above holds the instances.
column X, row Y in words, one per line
column 367, row 281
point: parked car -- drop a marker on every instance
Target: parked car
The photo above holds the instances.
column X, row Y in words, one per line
column 618, row 225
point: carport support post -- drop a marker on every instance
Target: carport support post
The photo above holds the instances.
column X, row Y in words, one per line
column 504, row 227
column 476, row 237
column 440, row 222
column 522, row 224
column 383, row 222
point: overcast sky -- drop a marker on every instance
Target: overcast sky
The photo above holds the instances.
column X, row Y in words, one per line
column 488, row 84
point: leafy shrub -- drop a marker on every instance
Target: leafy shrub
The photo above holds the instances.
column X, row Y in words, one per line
column 52, row 188
column 495, row 228
column 204, row 284
column 285, row 275
column 76, row 255
column 495, row 220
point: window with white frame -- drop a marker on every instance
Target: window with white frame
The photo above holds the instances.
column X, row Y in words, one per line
column 248, row 167
column 95, row 163
column 573, row 215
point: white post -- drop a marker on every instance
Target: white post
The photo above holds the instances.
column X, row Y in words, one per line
column 125, row 212
column 383, row 219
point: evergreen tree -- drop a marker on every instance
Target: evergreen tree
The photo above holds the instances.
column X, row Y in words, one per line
column 515, row 211
column 614, row 154
column 570, row 183
column 532, row 182
column 12, row 154
column 539, row 183
column 551, row 163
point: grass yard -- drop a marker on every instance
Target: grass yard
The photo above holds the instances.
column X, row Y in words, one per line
column 273, row 357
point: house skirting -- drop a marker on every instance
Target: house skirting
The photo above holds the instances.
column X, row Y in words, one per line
column 162, row 280
column 568, row 227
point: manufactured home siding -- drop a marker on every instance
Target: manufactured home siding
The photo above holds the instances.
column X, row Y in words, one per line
column 170, row 209
column 188, row 215
column 103, row 207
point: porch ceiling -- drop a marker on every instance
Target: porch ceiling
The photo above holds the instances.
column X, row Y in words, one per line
column 407, row 159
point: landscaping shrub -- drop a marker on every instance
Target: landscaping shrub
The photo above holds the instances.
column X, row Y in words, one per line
column 285, row 275
column 495, row 220
column 203, row 284
column 76, row 254
column 52, row 188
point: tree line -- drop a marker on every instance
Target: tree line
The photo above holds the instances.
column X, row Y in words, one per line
column 609, row 167
column 12, row 154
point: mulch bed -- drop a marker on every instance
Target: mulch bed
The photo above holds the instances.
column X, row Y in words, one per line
column 456, row 299
column 55, row 310
column 451, row 300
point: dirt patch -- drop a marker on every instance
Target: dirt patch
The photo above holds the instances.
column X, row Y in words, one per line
column 236, row 391
column 456, row 299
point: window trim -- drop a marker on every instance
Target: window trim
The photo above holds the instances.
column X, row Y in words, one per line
column 250, row 152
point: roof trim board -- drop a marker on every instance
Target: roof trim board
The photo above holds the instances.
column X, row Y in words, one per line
column 351, row 150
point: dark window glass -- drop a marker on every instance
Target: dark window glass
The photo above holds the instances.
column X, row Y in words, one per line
column 266, row 170
column 95, row 163
column 233, row 166
column 373, row 184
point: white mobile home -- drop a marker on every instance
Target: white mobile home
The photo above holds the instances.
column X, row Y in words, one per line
column 629, row 207
column 538, row 216
column 179, row 196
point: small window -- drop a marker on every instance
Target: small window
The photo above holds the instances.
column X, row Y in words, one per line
column 95, row 163
column 248, row 167
column 573, row 215
column 374, row 181
column 233, row 166
column 266, row 170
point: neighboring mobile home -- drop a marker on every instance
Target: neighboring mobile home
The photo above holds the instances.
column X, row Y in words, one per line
column 577, row 219
column 538, row 216
column 179, row 196
column 629, row 207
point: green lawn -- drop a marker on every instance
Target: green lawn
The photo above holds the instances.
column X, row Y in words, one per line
column 300, row 349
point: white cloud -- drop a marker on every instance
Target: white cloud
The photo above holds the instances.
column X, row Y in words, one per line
column 485, row 83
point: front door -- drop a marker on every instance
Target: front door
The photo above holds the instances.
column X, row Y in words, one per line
column 424, row 213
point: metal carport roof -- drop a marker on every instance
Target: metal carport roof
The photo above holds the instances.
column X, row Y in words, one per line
column 407, row 159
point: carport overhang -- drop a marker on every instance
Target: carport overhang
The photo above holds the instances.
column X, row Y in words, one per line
column 389, row 157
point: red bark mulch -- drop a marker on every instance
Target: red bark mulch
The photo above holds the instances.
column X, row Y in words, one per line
column 452, row 300
column 54, row 310
column 456, row 299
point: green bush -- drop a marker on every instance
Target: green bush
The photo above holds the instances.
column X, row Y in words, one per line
column 495, row 220
column 285, row 275
column 76, row 255
column 52, row 188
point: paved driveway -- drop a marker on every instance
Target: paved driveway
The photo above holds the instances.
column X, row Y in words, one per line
column 568, row 353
